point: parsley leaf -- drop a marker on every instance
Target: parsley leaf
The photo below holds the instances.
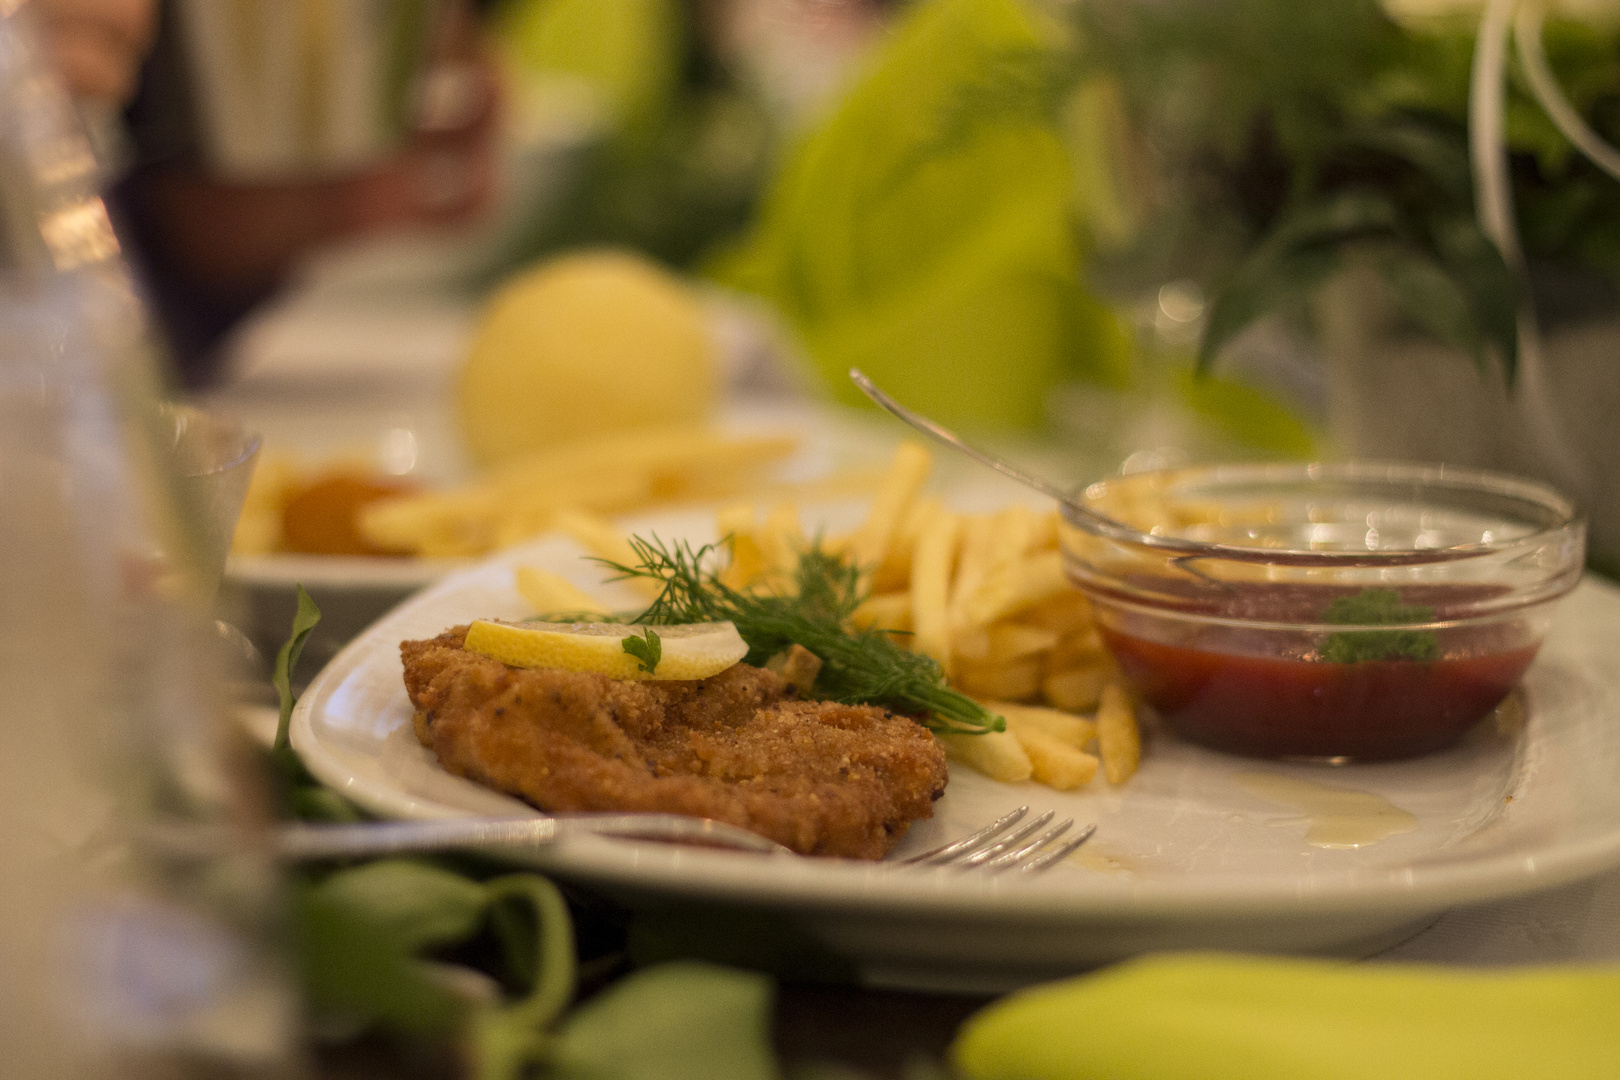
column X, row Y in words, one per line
column 1378, row 607
column 649, row 650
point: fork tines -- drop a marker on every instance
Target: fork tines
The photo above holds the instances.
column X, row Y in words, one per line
column 1003, row 845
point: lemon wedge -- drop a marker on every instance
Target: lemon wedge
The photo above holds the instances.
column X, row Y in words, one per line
column 691, row 651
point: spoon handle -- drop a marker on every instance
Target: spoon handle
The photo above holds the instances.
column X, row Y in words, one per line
column 940, row 433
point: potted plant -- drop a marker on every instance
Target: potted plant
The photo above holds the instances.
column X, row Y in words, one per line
column 1426, row 196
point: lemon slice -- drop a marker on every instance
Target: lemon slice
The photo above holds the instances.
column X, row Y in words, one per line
column 691, row 651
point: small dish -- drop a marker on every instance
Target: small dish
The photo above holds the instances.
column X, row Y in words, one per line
column 1347, row 612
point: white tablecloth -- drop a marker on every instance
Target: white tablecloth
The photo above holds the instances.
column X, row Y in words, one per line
column 1575, row 923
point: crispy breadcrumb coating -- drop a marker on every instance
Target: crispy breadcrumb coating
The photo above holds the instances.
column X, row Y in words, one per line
column 818, row 777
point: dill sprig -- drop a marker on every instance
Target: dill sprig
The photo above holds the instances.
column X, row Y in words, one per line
column 857, row 666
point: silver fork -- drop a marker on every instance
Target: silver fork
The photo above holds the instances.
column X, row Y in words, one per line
column 999, row 846
column 993, row 848
column 301, row 841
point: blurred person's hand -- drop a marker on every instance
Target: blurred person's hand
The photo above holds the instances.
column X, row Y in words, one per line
column 98, row 45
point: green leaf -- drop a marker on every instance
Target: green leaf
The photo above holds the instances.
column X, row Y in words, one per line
column 554, row 963
column 1378, row 607
column 415, row 903
column 1266, row 283
column 1335, row 217
column 509, row 1037
column 1495, row 293
column 357, row 932
column 649, row 650
column 309, row 801
column 1431, row 298
column 1299, row 255
column 1438, row 155
column 304, row 620
column 681, row 1021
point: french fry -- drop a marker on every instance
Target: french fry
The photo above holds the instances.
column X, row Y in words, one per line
column 258, row 527
column 1011, row 531
column 1075, row 731
column 930, row 584
column 1119, row 740
column 1053, row 762
column 735, row 524
column 670, row 457
column 1004, row 642
column 551, row 593
column 1064, row 613
column 603, row 541
column 1028, row 581
column 884, row 611
column 997, row 754
column 605, row 475
column 781, row 541
column 895, row 571
column 460, row 522
column 910, row 467
column 972, row 564
column 1017, row 681
column 1076, row 689
column 730, row 520
column 1081, row 648
column 1044, row 530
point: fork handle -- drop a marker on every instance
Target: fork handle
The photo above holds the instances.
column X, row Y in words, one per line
column 299, row 842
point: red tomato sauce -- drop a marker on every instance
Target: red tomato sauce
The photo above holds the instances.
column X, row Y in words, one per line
column 1273, row 706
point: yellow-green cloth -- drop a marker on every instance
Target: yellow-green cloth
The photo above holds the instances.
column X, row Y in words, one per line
column 1217, row 1017
column 925, row 230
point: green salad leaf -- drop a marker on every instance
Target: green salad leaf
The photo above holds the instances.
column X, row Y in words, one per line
column 677, row 1021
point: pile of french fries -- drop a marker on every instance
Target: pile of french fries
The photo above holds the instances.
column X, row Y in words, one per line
column 605, row 475
column 614, row 474
column 983, row 594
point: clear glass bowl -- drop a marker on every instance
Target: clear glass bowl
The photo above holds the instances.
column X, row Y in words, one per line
column 1347, row 612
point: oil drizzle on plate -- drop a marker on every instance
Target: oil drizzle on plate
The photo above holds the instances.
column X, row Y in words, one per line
column 1336, row 817
column 1101, row 862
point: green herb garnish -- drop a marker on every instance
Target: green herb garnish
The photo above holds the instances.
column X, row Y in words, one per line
column 649, row 649
column 857, row 666
column 1378, row 607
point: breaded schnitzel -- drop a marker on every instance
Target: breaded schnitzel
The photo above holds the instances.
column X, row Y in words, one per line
column 818, row 777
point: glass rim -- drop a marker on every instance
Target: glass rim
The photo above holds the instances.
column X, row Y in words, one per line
column 1560, row 511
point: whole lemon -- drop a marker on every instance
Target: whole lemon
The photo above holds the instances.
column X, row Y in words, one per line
column 583, row 345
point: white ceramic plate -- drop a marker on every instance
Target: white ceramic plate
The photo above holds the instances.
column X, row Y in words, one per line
column 1199, row 850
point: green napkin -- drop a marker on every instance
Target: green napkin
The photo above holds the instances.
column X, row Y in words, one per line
column 925, row 230
column 1213, row 1017
column 628, row 52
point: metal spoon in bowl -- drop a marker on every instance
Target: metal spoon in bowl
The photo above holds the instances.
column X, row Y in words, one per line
column 939, row 433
